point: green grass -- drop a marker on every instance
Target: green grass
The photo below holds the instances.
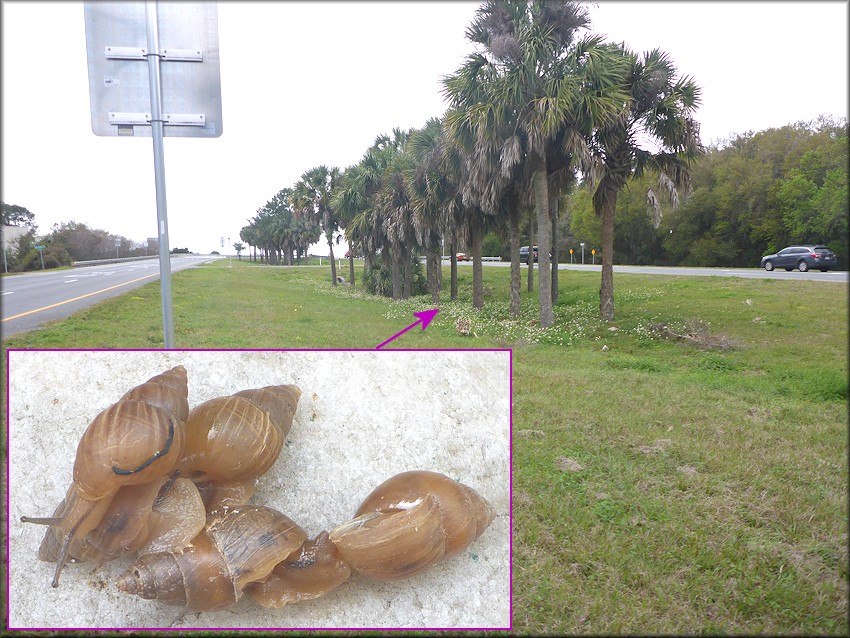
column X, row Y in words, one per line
column 659, row 487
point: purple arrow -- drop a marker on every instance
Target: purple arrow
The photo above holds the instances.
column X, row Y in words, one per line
column 425, row 318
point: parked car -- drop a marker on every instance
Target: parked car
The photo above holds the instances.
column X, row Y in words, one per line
column 802, row 257
column 523, row 255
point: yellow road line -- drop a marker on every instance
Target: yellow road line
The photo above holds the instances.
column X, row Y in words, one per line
column 96, row 292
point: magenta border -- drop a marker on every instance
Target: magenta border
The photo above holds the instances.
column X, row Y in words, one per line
column 210, row 629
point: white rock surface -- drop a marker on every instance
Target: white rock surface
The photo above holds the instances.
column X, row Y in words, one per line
column 363, row 417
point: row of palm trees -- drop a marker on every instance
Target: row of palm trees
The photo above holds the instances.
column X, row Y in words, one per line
column 535, row 107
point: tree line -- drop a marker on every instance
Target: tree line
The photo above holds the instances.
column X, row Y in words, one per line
column 750, row 196
column 64, row 244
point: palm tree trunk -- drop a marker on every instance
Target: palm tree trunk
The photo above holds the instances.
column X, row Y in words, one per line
column 540, row 185
column 553, row 203
column 477, row 271
column 333, row 261
column 530, row 260
column 396, row 259
column 367, row 259
column 453, row 268
column 433, row 268
column 351, row 265
column 606, row 291
column 516, row 280
column 407, row 265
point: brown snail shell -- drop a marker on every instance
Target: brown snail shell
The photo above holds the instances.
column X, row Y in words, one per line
column 239, row 437
column 464, row 514
column 167, row 391
column 312, row 571
column 238, row 547
column 131, row 442
column 393, row 545
column 280, row 401
column 409, row 522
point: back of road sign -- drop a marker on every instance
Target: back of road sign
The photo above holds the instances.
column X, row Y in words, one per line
column 116, row 42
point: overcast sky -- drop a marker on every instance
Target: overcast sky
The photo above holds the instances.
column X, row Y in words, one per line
column 314, row 83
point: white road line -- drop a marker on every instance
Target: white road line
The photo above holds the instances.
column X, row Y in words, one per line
column 8, row 292
column 70, row 281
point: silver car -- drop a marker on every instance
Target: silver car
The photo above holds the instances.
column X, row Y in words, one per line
column 802, row 257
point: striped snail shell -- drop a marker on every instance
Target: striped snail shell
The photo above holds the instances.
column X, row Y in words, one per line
column 409, row 522
column 237, row 438
column 135, row 441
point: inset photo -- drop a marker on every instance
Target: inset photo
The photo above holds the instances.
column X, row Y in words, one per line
column 259, row 489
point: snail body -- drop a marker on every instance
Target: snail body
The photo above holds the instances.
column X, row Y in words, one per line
column 312, row 571
column 132, row 442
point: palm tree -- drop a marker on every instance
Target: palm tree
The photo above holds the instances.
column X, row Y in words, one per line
column 312, row 196
column 654, row 132
column 516, row 97
column 436, row 197
column 349, row 201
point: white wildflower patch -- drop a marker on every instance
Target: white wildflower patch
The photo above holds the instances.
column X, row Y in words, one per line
column 575, row 322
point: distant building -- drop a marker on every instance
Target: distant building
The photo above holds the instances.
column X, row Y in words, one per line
column 11, row 233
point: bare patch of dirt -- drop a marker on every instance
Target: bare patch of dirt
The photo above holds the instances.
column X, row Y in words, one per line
column 695, row 334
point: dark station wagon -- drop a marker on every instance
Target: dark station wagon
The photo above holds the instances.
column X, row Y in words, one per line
column 523, row 254
column 802, row 257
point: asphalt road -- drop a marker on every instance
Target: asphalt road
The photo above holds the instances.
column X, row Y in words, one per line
column 750, row 273
column 32, row 299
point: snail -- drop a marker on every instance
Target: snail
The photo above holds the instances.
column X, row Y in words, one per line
column 170, row 485
column 407, row 524
column 135, row 441
column 224, row 444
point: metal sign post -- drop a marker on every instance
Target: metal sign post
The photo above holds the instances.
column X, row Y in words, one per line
column 155, row 78
column 177, row 93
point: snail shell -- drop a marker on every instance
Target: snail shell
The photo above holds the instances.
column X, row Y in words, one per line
column 238, row 547
column 464, row 514
column 239, row 437
column 410, row 522
column 132, row 442
column 393, row 545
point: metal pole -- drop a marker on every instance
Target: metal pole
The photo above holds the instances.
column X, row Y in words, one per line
column 159, row 170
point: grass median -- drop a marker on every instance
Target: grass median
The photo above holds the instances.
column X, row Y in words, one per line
column 681, row 470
